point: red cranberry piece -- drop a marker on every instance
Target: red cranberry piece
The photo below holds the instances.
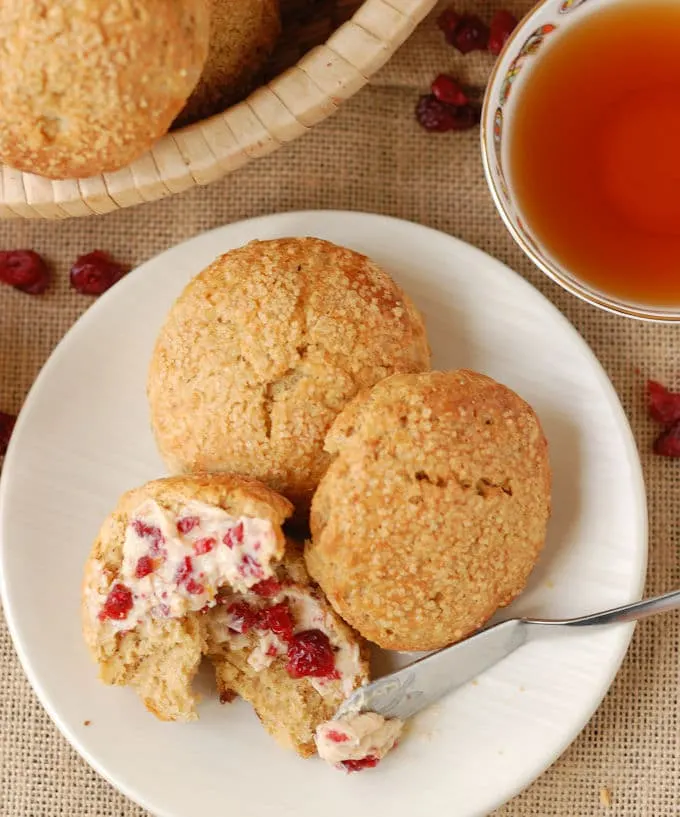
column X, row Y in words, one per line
column 447, row 89
column 227, row 696
column 663, row 405
column 152, row 533
column 434, row 115
column 337, row 737
column 278, row 619
column 187, row 523
column 272, row 652
column 7, row 422
column 250, row 567
column 194, row 588
column 24, row 270
column 144, row 567
column 234, row 536
column 503, row 23
column 357, row 765
column 242, row 617
column 448, row 21
column 118, row 603
column 267, row 588
column 94, row 273
column 470, row 34
column 667, row 444
column 205, row 545
column 184, row 571
column 310, row 654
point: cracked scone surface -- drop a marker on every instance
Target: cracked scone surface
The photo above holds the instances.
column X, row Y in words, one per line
column 159, row 656
column 434, row 510
column 90, row 85
column 264, row 348
column 243, row 34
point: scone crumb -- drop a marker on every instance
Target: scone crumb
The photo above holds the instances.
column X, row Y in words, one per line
column 87, row 723
column 605, row 797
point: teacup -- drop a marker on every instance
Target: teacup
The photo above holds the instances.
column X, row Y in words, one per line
column 550, row 20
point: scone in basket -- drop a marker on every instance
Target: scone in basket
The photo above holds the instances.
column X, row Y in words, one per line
column 327, row 50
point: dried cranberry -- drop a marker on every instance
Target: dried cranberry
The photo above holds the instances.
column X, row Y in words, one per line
column 95, row 272
column 227, row 696
column 267, row 588
column 184, row 571
column 24, row 270
column 337, row 737
column 242, row 617
column 447, row 89
column 357, row 765
column 144, row 567
column 7, row 422
column 118, row 603
column 278, row 619
column 503, row 23
column 234, row 536
column 250, row 567
column 194, row 588
column 470, row 34
column 667, row 444
column 663, row 405
column 310, row 653
column 448, row 21
column 152, row 533
column 187, row 523
column 204, row 545
column 434, row 115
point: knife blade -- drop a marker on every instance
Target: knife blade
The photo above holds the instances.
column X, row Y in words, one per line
column 405, row 692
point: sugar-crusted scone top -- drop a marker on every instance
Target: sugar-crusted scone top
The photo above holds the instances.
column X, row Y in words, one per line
column 434, row 510
column 264, row 348
column 89, row 85
column 243, row 34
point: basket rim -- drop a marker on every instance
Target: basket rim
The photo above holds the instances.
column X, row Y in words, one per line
column 277, row 112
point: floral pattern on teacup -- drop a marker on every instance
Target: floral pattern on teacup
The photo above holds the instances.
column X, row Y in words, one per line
column 570, row 5
column 531, row 45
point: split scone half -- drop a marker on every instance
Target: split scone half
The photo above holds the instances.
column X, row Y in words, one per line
column 282, row 648
column 197, row 565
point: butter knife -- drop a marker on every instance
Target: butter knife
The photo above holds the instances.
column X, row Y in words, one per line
column 403, row 693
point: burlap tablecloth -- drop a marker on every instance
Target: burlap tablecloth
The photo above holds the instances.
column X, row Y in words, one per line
column 372, row 156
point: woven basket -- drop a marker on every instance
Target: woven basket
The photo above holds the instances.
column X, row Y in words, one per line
column 327, row 52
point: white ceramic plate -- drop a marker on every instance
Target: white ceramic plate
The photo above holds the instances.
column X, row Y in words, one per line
column 83, row 438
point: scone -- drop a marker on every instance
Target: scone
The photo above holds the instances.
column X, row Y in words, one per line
column 264, row 348
column 89, row 85
column 283, row 649
column 155, row 570
column 434, row 510
column 243, row 34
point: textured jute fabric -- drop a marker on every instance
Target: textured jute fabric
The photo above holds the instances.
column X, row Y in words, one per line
column 372, row 156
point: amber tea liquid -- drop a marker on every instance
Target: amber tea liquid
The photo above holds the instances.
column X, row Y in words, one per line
column 594, row 152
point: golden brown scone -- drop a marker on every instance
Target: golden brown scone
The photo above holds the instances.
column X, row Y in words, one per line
column 264, row 348
column 156, row 566
column 434, row 510
column 290, row 708
column 243, row 34
column 89, row 85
